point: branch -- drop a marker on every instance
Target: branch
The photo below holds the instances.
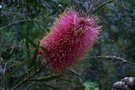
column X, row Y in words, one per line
column 113, row 58
column 15, row 22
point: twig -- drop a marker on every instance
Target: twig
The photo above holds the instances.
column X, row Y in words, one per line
column 113, row 58
column 19, row 21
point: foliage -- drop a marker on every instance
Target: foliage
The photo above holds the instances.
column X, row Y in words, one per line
column 24, row 22
column 90, row 86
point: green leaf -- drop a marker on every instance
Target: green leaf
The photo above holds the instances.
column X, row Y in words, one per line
column 29, row 40
column 23, row 76
column 50, row 86
column 46, row 78
column 27, row 48
column 44, row 49
column 35, row 55
column 13, row 61
column 17, row 66
column 102, row 5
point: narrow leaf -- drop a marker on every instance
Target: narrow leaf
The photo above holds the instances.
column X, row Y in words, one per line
column 35, row 54
column 29, row 40
column 101, row 6
column 46, row 79
column 44, row 49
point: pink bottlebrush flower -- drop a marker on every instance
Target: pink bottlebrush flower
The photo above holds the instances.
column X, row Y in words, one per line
column 70, row 37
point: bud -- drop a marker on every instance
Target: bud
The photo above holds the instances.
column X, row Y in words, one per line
column 127, row 83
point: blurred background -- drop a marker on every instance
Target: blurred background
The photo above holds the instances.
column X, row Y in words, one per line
column 25, row 22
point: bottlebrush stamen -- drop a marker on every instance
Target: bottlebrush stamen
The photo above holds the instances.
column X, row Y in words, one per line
column 69, row 39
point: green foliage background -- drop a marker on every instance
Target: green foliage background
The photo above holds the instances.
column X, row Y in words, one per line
column 24, row 22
